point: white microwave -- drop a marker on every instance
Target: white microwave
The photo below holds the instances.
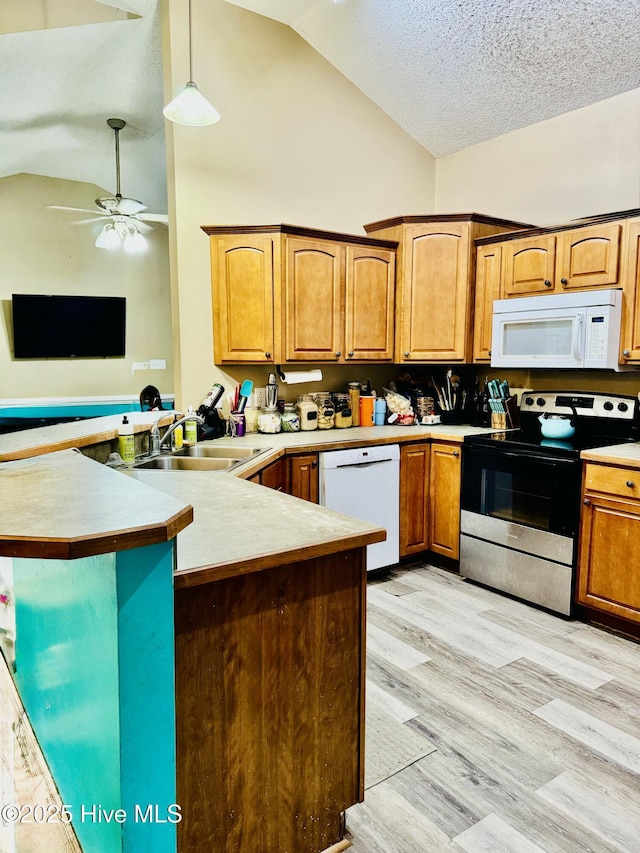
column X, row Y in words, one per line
column 570, row 330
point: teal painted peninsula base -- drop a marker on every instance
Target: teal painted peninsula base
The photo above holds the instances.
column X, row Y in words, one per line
column 95, row 670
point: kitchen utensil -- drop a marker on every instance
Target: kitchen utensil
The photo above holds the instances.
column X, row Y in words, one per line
column 271, row 393
column 440, row 395
column 556, row 426
column 245, row 393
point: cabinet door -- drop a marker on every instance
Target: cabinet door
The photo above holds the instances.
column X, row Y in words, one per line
column 444, row 500
column 414, row 498
column 588, row 257
column 631, row 301
column 314, row 310
column 434, row 311
column 274, row 476
column 529, row 266
column 488, row 288
column 369, row 304
column 243, row 298
column 303, row 476
column 608, row 579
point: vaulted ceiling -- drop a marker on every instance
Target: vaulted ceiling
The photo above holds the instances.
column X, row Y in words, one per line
column 451, row 73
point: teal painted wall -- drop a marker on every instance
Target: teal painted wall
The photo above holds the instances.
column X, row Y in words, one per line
column 95, row 671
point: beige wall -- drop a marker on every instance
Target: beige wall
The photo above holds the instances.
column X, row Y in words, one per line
column 578, row 164
column 297, row 143
column 45, row 252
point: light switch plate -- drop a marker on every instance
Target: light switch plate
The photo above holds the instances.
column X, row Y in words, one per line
column 158, row 364
column 139, row 365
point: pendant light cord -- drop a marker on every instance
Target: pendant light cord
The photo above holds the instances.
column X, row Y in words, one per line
column 190, row 56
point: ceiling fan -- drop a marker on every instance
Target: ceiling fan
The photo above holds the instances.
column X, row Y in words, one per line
column 127, row 216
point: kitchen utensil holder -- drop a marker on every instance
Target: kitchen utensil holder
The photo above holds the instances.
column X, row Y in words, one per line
column 504, row 413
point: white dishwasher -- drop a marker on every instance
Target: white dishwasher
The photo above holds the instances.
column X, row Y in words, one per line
column 365, row 483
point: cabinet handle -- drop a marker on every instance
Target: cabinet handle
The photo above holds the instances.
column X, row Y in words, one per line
column 586, row 502
column 489, row 353
column 314, row 464
column 406, row 355
column 456, row 453
column 564, row 282
column 338, row 354
column 267, row 355
column 630, row 484
column 351, row 354
column 626, row 353
column 547, row 283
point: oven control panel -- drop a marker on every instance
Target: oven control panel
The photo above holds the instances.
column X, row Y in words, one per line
column 619, row 406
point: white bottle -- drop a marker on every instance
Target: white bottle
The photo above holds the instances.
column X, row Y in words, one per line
column 190, row 428
column 126, row 442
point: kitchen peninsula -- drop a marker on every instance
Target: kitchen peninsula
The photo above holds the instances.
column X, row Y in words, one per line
column 269, row 640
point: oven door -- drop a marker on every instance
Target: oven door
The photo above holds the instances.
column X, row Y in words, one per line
column 522, row 487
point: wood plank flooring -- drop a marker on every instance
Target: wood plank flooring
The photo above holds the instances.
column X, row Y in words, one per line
column 534, row 721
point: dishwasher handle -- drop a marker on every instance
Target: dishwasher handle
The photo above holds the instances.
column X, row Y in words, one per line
column 365, row 464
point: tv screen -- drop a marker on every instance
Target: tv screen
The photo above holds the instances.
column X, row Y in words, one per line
column 68, row 326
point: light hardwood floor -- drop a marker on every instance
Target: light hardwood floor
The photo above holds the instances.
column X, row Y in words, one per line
column 535, row 722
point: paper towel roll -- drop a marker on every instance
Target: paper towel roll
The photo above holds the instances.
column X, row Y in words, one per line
column 297, row 376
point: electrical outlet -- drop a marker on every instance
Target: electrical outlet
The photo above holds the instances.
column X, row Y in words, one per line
column 157, row 364
column 139, row 365
column 260, row 397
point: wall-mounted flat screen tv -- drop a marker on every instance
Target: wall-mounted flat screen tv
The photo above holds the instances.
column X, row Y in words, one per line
column 68, row 326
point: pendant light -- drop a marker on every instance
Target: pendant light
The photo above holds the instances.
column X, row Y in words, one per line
column 189, row 106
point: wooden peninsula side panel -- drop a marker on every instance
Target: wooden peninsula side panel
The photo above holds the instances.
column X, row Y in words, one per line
column 270, row 671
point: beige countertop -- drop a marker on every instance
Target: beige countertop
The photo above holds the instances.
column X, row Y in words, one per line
column 63, row 505
column 240, row 527
column 617, row 454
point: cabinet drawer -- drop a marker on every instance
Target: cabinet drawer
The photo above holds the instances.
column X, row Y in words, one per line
column 622, row 482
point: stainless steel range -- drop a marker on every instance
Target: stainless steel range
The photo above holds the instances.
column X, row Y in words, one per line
column 521, row 495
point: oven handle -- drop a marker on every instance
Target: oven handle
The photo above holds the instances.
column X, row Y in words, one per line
column 533, row 456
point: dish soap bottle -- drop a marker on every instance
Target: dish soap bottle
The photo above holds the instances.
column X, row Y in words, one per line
column 126, row 442
column 177, row 435
column 190, row 428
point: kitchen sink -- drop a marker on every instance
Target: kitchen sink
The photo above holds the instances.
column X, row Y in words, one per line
column 201, row 457
column 187, row 463
column 210, row 451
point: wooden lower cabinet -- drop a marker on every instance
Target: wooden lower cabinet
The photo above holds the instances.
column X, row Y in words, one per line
column 270, row 706
column 608, row 577
column 444, row 499
column 303, row 476
column 414, row 497
column 274, row 476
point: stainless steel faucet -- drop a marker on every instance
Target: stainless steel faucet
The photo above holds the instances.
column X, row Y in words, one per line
column 156, row 442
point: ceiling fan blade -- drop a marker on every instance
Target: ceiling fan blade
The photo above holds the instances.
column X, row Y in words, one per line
column 76, row 209
column 85, row 221
column 130, row 206
column 153, row 217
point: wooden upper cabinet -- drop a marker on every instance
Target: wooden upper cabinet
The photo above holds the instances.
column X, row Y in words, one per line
column 630, row 343
column 286, row 293
column 488, row 289
column 369, row 304
column 243, row 298
column 435, row 278
column 529, row 266
column 313, row 299
column 589, row 257
column 576, row 259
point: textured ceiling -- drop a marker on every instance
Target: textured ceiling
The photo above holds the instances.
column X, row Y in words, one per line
column 450, row 72
column 61, row 84
column 453, row 73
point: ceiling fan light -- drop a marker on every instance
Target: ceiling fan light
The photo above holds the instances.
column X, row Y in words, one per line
column 134, row 242
column 108, row 238
column 190, row 107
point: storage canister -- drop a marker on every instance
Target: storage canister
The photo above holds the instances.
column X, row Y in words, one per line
column 342, row 405
column 290, row 419
column 269, row 421
column 326, row 410
column 308, row 412
column 354, row 396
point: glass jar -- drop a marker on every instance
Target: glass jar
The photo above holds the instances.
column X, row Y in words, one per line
column 342, row 405
column 326, row 411
column 308, row 411
column 290, row 419
column 354, row 396
column 269, row 421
